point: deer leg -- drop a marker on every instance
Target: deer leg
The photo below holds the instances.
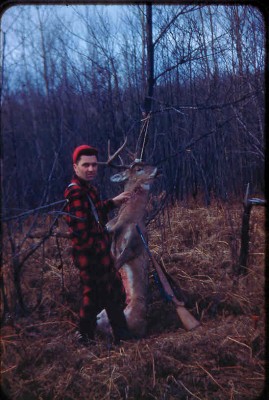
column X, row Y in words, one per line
column 118, row 323
column 125, row 256
column 135, row 279
column 110, row 226
column 130, row 247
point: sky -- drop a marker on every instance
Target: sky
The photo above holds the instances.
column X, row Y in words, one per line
column 11, row 17
column 18, row 24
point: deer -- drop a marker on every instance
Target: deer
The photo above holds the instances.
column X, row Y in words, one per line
column 127, row 248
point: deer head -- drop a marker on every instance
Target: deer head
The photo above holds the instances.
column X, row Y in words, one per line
column 136, row 175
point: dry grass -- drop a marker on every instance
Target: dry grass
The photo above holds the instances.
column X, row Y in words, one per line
column 222, row 359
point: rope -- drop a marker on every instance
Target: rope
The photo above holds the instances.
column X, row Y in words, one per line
column 145, row 135
column 144, row 129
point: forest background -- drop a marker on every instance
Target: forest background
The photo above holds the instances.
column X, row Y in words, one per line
column 86, row 74
column 192, row 78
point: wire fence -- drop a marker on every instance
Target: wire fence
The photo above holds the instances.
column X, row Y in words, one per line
column 27, row 238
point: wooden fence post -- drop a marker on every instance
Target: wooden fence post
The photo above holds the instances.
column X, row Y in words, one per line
column 241, row 267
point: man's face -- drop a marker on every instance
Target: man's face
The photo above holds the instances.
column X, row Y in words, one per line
column 86, row 168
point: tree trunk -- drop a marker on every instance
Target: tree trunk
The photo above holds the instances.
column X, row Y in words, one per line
column 150, row 61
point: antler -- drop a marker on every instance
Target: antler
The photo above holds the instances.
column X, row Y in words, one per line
column 113, row 156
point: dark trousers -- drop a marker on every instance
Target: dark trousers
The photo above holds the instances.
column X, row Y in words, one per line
column 87, row 326
column 102, row 288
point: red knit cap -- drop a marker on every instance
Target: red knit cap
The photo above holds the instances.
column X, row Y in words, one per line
column 89, row 150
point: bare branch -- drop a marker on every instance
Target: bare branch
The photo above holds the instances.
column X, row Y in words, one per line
column 185, row 10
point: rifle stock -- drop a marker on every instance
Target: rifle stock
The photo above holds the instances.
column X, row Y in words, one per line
column 187, row 319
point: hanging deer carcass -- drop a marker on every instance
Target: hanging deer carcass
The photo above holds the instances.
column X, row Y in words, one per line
column 127, row 248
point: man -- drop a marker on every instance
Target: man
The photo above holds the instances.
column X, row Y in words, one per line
column 102, row 287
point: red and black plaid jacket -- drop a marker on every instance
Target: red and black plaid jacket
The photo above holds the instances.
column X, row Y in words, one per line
column 86, row 234
column 102, row 284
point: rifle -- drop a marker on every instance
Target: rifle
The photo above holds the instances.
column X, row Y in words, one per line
column 188, row 320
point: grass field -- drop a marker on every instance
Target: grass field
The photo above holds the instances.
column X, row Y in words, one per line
column 223, row 359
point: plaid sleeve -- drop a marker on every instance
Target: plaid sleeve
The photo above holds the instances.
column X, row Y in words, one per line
column 79, row 218
column 105, row 206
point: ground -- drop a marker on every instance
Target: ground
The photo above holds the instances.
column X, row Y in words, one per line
column 224, row 358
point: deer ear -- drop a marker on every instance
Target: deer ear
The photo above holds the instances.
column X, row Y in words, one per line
column 120, row 177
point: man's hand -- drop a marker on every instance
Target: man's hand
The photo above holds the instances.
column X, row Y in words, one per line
column 121, row 198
